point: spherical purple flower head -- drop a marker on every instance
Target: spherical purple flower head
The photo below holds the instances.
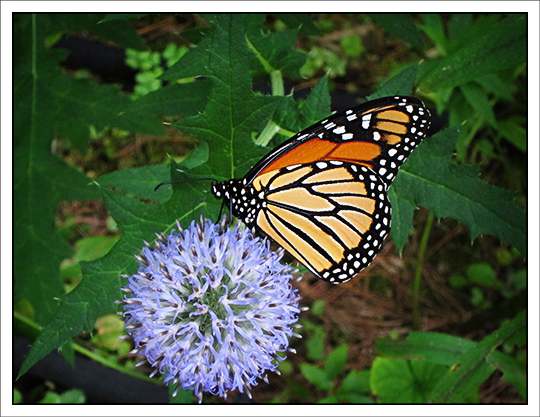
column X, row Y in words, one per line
column 210, row 307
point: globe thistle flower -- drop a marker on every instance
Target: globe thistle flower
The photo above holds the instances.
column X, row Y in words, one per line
column 210, row 308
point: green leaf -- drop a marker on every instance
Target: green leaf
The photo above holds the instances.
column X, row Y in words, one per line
column 403, row 208
column 442, row 349
column 458, row 24
column 94, row 247
column 401, row 25
column 432, row 181
column 17, row 396
column 332, row 399
column 513, row 131
column 233, row 110
column 317, row 308
column 494, row 84
column 476, row 96
column 140, row 182
column 176, row 99
column 194, row 63
column 402, row 381
column 314, row 108
column 315, row 347
column 317, row 105
column 434, row 28
column 275, row 50
column 400, row 84
column 95, row 295
column 336, row 361
column 474, row 368
column 300, row 20
column 51, row 104
column 483, row 274
column 120, row 32
column 519, row 279
column 352, row 45
column 316, row 376
column 73, row 396
column 356, row 382
column 501, row 46
column 513, row 370
column 41, row 180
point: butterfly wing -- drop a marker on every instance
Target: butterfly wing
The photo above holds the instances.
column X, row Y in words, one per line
column 379, row 134
column 332, row 216
column 322, row 193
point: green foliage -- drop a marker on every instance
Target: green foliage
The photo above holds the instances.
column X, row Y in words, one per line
column 354, row 387
column 403, row 381
column 72, row 396
column 480, row 60
column 149, row 64
column 400, row 25
column 17, row 396
column 443, row 368
column 481, row 278
column 49, row 104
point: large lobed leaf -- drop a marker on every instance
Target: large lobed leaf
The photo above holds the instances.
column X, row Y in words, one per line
column 431, row 180
column 49, row 103
column 233, row 110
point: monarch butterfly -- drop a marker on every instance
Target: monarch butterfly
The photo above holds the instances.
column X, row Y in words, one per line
column 322, row 194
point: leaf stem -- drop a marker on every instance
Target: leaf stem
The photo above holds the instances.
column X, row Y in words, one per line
column 271, row 127
column 267, row 134
column 277, row 83
column 418, row 271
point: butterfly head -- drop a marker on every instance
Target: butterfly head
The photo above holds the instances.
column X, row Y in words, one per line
column 239, row 198
column 218, row 189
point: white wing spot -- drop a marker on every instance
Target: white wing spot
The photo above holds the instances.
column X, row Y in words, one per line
column 339, row 130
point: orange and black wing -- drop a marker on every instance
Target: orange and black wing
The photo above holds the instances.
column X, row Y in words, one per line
column 322, row 194
column 379, row 134
column 331, row 216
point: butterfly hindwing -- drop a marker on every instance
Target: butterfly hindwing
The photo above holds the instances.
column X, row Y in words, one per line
column 332, row 216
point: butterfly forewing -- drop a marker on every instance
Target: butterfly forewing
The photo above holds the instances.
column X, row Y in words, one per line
column 380, row 134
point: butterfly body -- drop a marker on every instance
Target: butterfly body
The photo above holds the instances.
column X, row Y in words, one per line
column 322, row 194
